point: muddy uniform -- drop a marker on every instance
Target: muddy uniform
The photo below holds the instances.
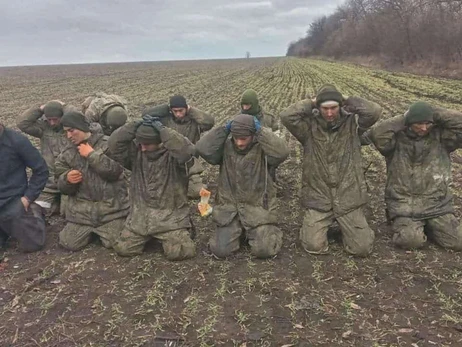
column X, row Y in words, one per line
column 333, row 183
column 192, row 126
column 266, row 119
column 417, row 193
column 98, row 204
column 52, row 141
column 16, row 155
column 96, row 108
column 158, row 193
column 246, row 197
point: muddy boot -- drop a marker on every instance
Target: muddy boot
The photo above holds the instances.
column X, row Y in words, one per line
column 194, row 187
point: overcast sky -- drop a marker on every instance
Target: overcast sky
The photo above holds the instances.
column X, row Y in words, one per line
column 80, row 31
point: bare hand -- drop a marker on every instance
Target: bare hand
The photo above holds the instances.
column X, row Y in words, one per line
column 25, row 203
column 85, row 149
column 74, row 176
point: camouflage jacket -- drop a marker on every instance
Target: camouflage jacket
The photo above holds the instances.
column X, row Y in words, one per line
column 192, row 126
column 244, row 176
column 158, row 185
column 333, row 176
column 418, row 168
column 268, row 120
column 102, row 195
column 52, row 141
column 94, row 107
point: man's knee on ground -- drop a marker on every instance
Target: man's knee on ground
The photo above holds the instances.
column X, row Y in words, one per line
column 29, row 247
column 124, row 249
column 70, row 242
column 362, row 249
column 311, row 245
column 180, row 250
column 409, row 239
column 266, row 241
column 220, row 250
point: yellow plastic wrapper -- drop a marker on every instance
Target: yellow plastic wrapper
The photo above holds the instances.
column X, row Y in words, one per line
column 204, row 207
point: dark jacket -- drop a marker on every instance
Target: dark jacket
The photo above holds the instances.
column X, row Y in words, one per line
column 16, row 154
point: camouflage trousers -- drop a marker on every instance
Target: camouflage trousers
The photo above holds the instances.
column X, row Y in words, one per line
column 265, row 240
column 27, row 227
column 444, row 230
column 76, row 236
column 195, row 185
column 177, row 244
column 195, row 180
column 357, row 236
column 50, row 202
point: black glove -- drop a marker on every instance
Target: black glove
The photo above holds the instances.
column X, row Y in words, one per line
column 152, row 121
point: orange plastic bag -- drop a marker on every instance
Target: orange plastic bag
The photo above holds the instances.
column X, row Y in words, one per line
column 204, row 207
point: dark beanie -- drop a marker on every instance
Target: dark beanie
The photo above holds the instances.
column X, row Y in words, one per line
column 178, row 101
column 328, row 92
column 419, row 112
column 243, row 125
column 53, row 109
column 75, row 120
column 147, row 135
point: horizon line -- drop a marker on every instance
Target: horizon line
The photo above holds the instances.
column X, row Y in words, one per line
column 135, row 61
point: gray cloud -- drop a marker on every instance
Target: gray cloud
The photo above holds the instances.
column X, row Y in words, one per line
column 64, row 31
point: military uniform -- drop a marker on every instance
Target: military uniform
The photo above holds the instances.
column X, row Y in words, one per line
column 98, row 204
column 246, row 196
column 191, row 126
column 417, row 192
column 158, row 193
column 333, row 183
column 52, row 141
column 96, row 108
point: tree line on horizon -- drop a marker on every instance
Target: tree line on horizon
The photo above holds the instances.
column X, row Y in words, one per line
column 400, row 31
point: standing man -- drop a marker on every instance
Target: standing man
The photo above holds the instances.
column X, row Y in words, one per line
column 44, row 123
column 333, row 183
column 98, row 196
column 417, row 149
column 20, row 217
column 157, row 157
column 191, row 123
column 105, row 112
column 251, row 105
column 246, row 197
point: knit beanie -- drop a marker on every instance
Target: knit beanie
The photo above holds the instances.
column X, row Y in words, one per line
column 53, row 109
column 178, row 101
column 419, row 112
column 328, row 92
column 75, row 120
column 243, row 125
column 147, row 135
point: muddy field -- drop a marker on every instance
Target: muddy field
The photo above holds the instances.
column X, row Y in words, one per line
column 96, row 298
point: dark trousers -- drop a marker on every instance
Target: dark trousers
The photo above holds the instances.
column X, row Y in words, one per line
column 27, row 227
